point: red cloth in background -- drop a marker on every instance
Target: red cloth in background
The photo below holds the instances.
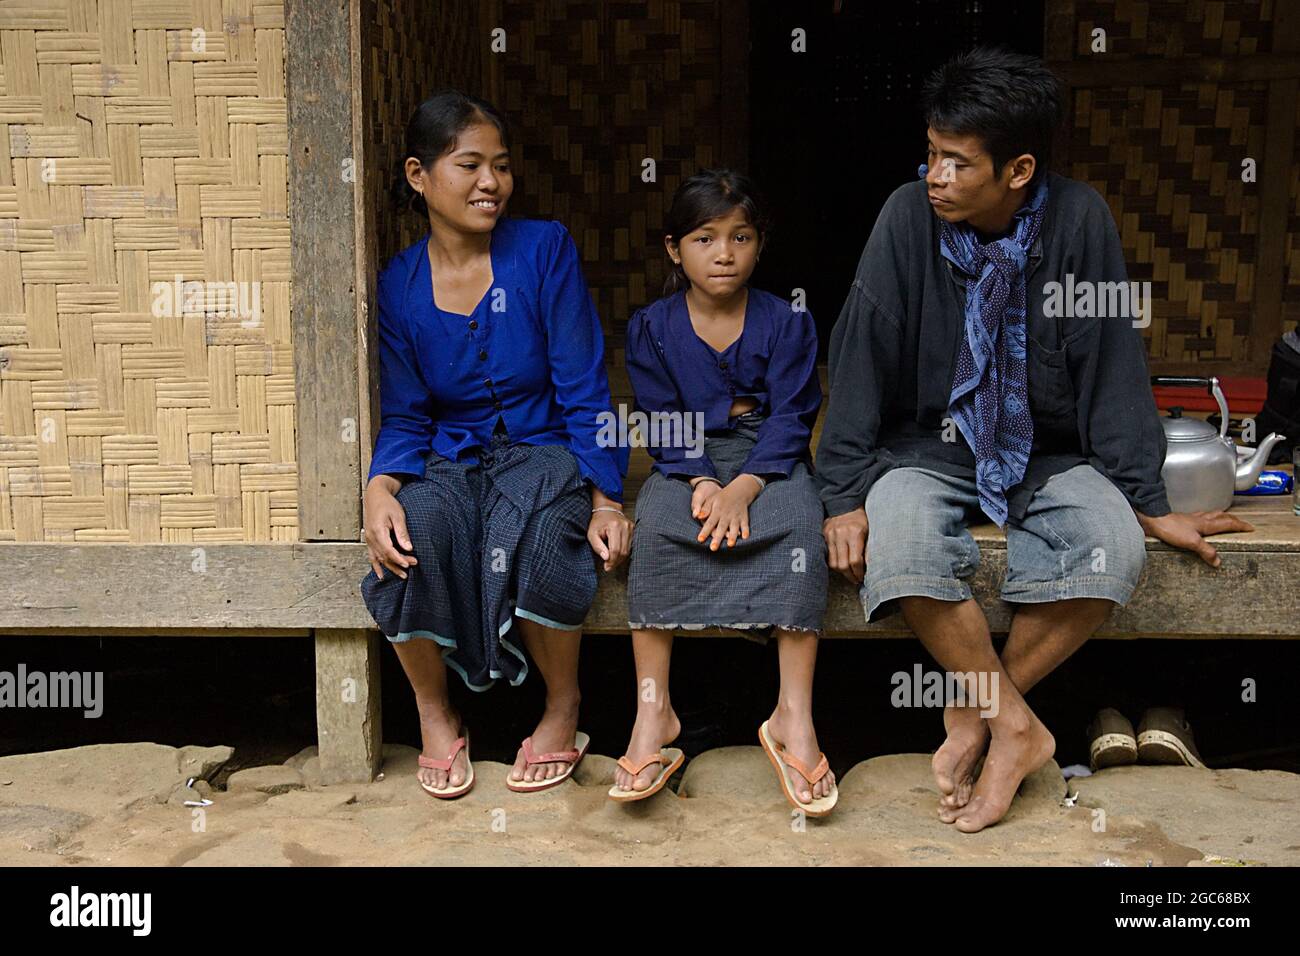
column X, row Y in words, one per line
column 1245, row 397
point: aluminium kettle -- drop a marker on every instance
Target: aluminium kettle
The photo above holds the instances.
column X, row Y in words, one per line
column 1201, row 471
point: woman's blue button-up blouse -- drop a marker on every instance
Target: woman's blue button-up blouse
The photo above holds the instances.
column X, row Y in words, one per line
column 774, row 361
column 531, row 353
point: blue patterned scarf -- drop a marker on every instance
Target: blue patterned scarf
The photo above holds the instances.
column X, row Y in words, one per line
column 990, row 388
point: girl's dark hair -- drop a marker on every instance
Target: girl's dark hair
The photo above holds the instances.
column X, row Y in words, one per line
column 1011, row 101
column 707, row 195
column 432, row 131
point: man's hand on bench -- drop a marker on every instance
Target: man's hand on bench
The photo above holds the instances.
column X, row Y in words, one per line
column 1189, row 531
column 846, row 543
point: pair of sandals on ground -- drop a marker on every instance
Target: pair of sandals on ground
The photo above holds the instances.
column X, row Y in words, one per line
column 670, row 760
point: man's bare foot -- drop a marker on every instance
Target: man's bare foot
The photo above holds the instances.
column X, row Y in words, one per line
column 1020, row 745
column 438, row 732
column 954, row 762
column 656, row 726
column 793, row 731
column 554, row 732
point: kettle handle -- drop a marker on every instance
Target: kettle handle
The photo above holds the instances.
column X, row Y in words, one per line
column 1211, row 385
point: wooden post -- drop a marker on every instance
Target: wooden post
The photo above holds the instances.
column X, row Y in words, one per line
column 323, row 240
column 349, row 728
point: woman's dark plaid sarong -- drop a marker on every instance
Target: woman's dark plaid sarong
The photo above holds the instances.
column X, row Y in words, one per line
column 503, row 537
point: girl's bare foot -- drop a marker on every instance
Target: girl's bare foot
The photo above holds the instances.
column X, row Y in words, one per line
column 438, row 732
column 554, row 732
column 793, row 730
column 656, row 726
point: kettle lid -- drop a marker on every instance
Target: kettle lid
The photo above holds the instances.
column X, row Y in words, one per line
column 1178, row 428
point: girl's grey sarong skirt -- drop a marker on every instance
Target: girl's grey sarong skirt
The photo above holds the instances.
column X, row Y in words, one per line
column 775, row 578
column 504, row 537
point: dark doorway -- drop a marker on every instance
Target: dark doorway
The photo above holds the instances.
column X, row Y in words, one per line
column 836, row 129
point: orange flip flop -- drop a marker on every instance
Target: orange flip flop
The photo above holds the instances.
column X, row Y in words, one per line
column 783, row 760
column 430, row 763
column 670, row 760
column 571, row 757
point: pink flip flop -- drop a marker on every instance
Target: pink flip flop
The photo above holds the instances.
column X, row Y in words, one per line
column 571, row 757
column 430, row 763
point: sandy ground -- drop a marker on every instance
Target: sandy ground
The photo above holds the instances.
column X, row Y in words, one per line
column 124, row 804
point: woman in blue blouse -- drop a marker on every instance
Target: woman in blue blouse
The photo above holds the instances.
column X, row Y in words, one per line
column 487, row 490
column 728, row 534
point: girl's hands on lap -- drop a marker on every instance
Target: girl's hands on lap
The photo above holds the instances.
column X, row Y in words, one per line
column 609, row 532
column 704, row 490
column 385, row 519
column 725, row 513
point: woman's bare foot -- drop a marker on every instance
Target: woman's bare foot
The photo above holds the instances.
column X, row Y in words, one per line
column 954, row 762
column 554, row 732
column 1020, row 745
column 438, row 732
column 793, row 731
column 656, row 726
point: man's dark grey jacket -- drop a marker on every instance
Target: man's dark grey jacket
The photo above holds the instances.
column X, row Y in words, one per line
column 894, row 347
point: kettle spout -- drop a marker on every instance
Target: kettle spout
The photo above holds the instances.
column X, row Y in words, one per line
column 1248, row 470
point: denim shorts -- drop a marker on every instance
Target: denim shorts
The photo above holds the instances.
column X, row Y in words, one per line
column 1079, row 539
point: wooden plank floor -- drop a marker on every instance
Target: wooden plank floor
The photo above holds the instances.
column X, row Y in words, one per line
column 1252, row 594
column 281, row 589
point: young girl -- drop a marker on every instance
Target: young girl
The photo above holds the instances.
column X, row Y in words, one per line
column 731, row 537
column 488, row 490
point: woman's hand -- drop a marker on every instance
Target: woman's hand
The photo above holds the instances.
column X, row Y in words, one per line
column 726, row 512
column 609, row 532
column 384, row 519
column 1189, row 531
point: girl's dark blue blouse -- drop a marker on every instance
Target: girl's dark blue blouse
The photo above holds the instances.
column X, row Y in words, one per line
column 774, row 361
column 531, row 353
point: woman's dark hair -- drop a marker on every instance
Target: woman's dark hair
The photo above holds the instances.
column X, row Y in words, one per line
column 707, row 195
column 1011, row 101
column 432, row 131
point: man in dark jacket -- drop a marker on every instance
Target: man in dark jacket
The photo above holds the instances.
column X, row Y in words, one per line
column 987, row 366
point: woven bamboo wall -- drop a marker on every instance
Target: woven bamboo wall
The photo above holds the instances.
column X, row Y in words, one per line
column 135, row 149
column 1167, row 149
column 1169, row 162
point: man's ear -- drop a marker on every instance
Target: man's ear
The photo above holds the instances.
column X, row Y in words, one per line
column 1022, row 170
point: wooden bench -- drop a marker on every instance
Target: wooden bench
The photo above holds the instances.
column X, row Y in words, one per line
column 313, row 590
